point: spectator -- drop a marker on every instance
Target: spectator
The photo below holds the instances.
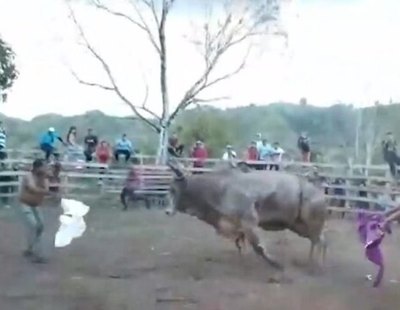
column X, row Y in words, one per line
column 229, row 153
column 258, row 141
column 103, row 152
column 90, row 142
column 47, row 142
column 103, row 155
column 362, row 193
column 389, row 146
column 3, row 142
column 277, row 156
column 252, row 153
column 265, row 153
column 174, row 148
column 6, row 190
column 73, row 149
column 133, row 182
column 303, row 143
column 71, row 136
column 200, row 154
column 339, row 191
column 123, row 147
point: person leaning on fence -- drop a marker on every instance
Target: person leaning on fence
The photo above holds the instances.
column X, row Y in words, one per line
column 90, row 142
column 103, row 155
column 174, row 147
column 47, row 142
column 6, row 190
column 303, row 143
column 252, row 154
column 200, row 154
column 3, row 142
column 33, row 189
column 73, row 148
column 389, row 148
column 276, row 156
column 229, row 153
column 265, row 153
column 123, row 147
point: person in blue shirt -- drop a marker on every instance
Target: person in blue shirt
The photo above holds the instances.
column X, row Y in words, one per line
column 123, row 147
column 47, row 142
column 265, row 152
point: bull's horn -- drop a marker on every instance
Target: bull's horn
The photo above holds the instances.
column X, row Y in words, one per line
column 179, row 174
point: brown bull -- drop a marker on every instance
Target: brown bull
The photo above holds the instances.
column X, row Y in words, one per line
column 237, row 204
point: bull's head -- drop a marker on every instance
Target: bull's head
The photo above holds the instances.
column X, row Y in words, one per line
column 178, row 184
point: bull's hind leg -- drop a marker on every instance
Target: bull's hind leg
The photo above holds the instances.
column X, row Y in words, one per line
column 240, row 242
column 254, row 240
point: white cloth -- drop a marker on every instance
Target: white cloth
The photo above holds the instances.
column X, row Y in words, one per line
column 72, row 224
column 227, row 156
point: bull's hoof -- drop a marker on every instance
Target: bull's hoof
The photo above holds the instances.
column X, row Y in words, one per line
column 280, row 280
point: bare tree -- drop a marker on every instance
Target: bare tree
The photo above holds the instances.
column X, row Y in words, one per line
column 241, row 20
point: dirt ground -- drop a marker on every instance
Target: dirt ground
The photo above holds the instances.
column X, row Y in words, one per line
column 143, row 260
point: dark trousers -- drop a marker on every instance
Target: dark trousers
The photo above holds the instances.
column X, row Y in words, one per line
column 48, row 151
column 3, row 154
column 88, row 155
column 393, row 160
column 274, row 167
column 126, row 153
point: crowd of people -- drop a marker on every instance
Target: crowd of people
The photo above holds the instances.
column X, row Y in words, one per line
column 101, row 151
column 260, row 149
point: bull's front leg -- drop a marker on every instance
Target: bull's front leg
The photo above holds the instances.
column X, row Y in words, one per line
column 254, row 240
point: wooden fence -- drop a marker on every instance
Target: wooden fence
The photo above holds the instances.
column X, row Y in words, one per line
column 82, row 179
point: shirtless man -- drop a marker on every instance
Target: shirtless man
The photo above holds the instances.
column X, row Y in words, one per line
column 34, row 188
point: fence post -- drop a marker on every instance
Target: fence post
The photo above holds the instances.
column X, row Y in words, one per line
column 349, row 174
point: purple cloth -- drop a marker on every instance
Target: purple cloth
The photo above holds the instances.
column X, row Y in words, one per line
column 371, row 233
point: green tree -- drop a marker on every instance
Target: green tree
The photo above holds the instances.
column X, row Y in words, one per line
column 8, row 70
column 210, row 126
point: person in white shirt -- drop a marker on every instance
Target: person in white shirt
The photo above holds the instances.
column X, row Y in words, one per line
column 229, row 153
column 258, row 140
column 277, row 156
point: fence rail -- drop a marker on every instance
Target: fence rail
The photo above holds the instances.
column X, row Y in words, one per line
column 78, row 177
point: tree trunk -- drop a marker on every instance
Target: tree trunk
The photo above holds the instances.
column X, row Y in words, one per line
column 162, row 152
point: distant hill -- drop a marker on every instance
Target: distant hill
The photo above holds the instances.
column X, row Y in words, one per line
column 332, row 129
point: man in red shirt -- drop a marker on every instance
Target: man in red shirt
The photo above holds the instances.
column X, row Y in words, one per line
column 200, row 153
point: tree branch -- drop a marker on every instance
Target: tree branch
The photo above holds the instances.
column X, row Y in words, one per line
column 142, row 24
column 237, row 27
column 114, row 87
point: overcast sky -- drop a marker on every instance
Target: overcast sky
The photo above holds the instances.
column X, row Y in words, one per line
column 339, row 50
